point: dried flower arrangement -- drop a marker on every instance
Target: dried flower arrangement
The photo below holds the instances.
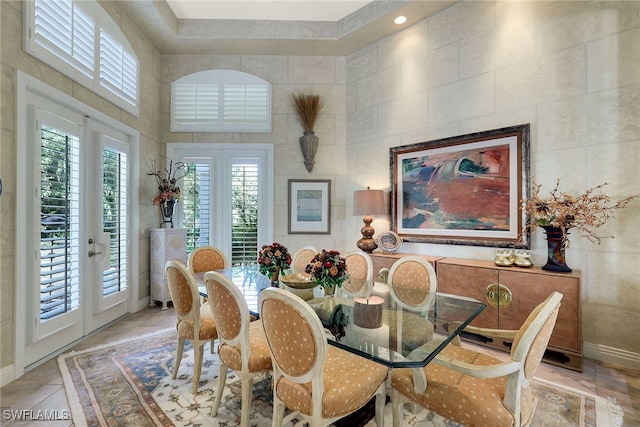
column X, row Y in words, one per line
column 309, row 107
column 564, row 211
column 167, row 180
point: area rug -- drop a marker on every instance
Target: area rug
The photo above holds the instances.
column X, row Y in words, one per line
column 128, row 383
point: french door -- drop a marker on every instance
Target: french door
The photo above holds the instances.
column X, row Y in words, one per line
column 227, row 197
column 76, row 239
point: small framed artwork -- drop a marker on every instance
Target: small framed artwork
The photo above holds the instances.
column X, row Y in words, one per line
column 463, row 190
column 309, row 206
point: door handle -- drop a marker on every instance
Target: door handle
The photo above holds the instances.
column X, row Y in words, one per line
column 92, row 253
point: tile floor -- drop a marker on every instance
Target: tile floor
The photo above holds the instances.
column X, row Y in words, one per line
column 42, row 388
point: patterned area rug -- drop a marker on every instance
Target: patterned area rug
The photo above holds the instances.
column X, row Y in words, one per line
column 129, row 383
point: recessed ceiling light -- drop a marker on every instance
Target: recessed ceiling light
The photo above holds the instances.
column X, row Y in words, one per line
column 400, row 20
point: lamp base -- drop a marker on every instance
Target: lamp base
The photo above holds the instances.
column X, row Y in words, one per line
column 367, row 245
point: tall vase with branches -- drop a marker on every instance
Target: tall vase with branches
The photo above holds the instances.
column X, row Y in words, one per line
column 309, row 107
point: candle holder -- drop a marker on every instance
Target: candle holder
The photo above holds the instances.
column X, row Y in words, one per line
column 367, row 312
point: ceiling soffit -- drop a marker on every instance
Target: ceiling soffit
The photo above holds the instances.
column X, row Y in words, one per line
column 374, row 21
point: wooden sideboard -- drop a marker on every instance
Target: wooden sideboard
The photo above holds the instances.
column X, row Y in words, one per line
column 510, row 293
column 384, row 260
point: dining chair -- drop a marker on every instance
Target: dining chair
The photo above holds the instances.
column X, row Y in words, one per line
column 319, row 381
column 360, row 270
column 412, row 286
column 475, row 389
column 193, row 321
column 242, row 345
column 299, row 262
column 207, row 258
column 302, row 257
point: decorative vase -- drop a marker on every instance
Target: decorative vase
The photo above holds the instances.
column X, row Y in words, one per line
column 275, row 277
column 329, row 290
column 167, row 209
column 555, row 251
column 309, row 146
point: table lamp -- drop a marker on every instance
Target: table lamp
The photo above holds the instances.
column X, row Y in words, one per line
column 368, row 202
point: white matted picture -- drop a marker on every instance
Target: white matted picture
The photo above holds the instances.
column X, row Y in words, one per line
column 309, row 206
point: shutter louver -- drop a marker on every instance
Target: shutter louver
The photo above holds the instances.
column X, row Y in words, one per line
column 117, row 69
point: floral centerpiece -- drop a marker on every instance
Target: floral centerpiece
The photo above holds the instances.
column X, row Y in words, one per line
column 272, row 259
column 563, row 211
column 167, row 180
column 328, row 269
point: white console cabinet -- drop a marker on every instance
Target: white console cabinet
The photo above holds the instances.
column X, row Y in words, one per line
column 166, row 244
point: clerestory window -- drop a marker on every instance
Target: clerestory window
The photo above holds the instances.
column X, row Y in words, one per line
column 220, row 101
column 79, row 39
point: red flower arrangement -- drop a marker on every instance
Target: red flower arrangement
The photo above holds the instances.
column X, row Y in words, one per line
column 272, row 258
column 328, row 269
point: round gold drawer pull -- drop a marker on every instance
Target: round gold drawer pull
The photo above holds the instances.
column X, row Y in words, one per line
column 498, row 295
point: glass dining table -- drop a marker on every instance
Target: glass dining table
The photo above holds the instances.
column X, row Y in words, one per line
column 370, row 326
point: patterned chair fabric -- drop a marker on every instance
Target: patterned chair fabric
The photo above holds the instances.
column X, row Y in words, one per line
column 321, row 382
column 193, row 321
column 236, row 332
column 412, row 283
column 207, row 258
column 302, row 257
column 478, row 390
column 360, row 270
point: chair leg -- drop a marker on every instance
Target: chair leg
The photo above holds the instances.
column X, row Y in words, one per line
column 278, row 412
column 247, row 396
column 381, row 397
column 197, row 366
column 396, row 407
column 179, row 351
column 222, row 380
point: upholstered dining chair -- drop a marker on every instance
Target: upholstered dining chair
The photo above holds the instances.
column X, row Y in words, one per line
column 360, row 270
column 299, row 262
column 412, row 285
column 207, row 258
column 242, row 345
column 475, row 389
column 302, row 257
column 193, row 321
column 321, row 382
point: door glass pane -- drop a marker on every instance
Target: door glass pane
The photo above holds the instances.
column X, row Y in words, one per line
column 59, row 214
column 244, row 200
column 196, row 199
column 114, row 214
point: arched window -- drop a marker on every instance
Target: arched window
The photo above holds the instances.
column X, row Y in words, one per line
column 79, row 39
column 220, row 101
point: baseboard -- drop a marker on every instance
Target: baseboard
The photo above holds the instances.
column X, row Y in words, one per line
column 612, row 355
column 7, row 375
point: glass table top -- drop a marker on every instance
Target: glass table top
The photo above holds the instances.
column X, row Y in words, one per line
column 371, row 324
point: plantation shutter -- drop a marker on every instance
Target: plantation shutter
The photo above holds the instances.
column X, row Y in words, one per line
column 196, row 195
column 61, row 28
column 114, row 219
column 59, row 213
column 118, row 68
column 245, row 201
column 220, row 101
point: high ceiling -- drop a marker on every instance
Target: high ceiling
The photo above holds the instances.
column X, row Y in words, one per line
column 274, row 10
column 338, row 27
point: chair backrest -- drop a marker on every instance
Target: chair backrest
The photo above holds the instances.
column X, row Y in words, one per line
column 412, row 283
column 296, row 338
column 302, row 257
column 534, row 334
column 230, row 312
column 360, row 270
column 184, row 292
column 207, row 258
